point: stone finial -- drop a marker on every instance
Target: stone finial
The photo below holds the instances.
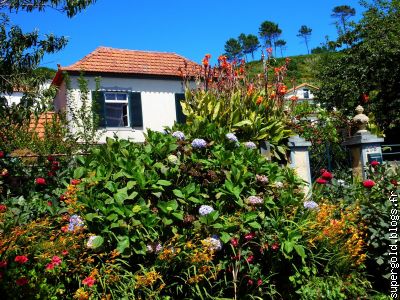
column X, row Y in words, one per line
column 361, row 120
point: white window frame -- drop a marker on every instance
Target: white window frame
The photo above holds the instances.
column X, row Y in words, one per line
column 115, row 102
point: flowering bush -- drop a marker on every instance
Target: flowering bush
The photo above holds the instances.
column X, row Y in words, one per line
column 371, row 200
column 249, row 108
column 222, row 223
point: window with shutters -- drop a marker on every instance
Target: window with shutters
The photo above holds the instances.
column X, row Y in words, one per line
column 306, row 93
column 116, row 109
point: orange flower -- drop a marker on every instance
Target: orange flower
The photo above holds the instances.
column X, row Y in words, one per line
column 259, row 100
column 273, row 94
column 294, row 98
column 250, row 89
column 208, row 56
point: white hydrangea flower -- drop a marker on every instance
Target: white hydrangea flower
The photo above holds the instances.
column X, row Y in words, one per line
column 205, row 210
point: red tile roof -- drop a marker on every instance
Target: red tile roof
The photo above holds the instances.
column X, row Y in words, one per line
column 38, row 125
column 122, row 61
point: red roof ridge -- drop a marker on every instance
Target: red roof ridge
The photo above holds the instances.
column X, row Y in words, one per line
column 300, row 86
column 100, row 49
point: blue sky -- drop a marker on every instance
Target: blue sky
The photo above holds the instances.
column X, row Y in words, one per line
column 189, row 28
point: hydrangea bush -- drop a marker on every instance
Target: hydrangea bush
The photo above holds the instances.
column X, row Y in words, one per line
column 223, row 222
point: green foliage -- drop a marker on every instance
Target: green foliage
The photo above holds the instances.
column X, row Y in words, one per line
column 233, row 49
column 252, row 108
column 269, row 31
column 249, row 43
column 369, row 67
column 326, row 130
column 81, row 110
column 376, row 211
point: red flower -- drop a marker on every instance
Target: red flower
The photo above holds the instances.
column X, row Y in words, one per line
column 75, row 181
column 249, row 236
column 327, row 175
column 40, row 181
column 64, row 252
column 275, row 246
column 250, row 282
column 62, row 197
column 89, row 281
column 259, row 282
column 49, row 203
column 368, row 183
column 55, row 165
column 64, row 228
column 250, row 259
column 50, row 266
column 321, row 181
column 50, row 158
column 21, row 281
column 3, row 264
column 234, row 242
column 56, row 260
column 3, row 208
column 375, row 163
column 365, row 98
column 394, row 182
column 21, row 259
column 1, row 154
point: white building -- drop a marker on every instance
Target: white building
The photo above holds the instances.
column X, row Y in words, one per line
column 138, row 89
column 17, row 94
column 302, row 92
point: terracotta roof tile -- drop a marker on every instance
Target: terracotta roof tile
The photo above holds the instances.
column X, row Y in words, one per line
column 38, row 125
column 110, row 60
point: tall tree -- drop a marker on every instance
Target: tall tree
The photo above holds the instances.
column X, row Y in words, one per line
column 21, row 52
column 269, row 32
column 305, row 33
column 370, row 66
column 233, row 49
column 281, row 44
column 343, row 13
column 249, row 43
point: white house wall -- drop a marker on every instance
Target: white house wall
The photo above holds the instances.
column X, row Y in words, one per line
column 14, row 98
column 158, row 102
column 300, row 95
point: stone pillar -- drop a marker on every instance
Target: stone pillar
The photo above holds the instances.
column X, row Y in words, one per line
column 265, row 149
column 300, row 159
column 364, row 146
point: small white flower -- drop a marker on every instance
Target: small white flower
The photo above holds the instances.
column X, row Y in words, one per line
column 213, row 243
column 179, row 135
column 199, row 143
column 205, row 210
column 250, row 145
column 173, row 159
column 232, row 137
column 91, row 240
column 254, row 200
column 278, row 184
column 310, row 205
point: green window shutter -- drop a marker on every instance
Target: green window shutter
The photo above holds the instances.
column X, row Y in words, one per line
column 98, row 108
column 180, row 117
column 135, row 110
